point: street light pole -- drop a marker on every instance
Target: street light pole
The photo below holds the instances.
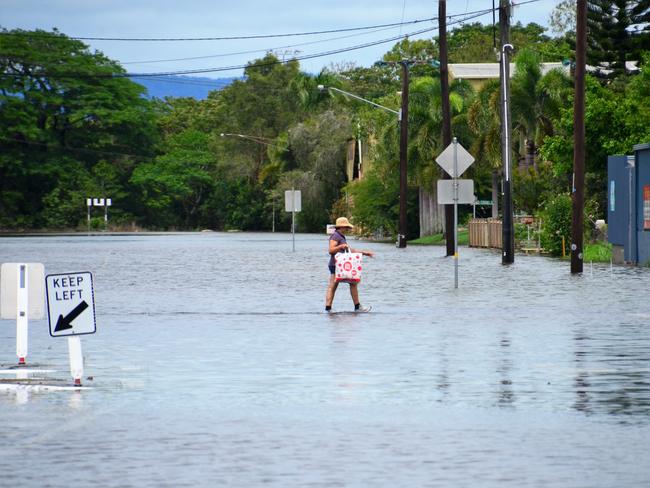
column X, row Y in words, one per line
column 357, row 97
column 258, row 139
column 507, row 230
column 402, row 117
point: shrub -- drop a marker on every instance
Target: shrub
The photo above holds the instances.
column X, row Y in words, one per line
column 557, row 223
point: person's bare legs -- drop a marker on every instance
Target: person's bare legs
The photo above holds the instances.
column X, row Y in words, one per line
column 331, row 290
column 354, row 291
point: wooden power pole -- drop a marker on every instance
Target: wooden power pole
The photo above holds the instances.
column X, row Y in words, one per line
column 577, row 219
column 446, row 114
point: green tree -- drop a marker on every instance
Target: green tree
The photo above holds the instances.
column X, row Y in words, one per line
column 176, row 184
column 618, row 31
column 614, row 121
column 485, row 123
column 319, row 146
column 477, row 43
column 63, row 109
column 535, row 100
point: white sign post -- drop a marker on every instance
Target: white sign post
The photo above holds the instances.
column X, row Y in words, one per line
column 71, row 312
column 455, row 160
column 99, row 202
column 293, row 204
column 23, row 296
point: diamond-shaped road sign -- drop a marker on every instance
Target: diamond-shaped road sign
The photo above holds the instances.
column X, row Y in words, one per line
column 446, row 160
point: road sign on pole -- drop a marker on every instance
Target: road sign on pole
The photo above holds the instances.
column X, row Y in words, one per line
column 446, row 160
column 70, row 304
column 455, row 160
column 446, row 191
column 292, row 203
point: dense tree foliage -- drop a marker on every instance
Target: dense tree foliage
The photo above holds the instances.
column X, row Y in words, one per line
column 619, row 30
column 74, row 126
column 71, row 127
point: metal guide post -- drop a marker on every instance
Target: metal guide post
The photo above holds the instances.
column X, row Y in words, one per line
column 455, row 142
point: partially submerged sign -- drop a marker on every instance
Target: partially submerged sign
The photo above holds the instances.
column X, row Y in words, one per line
column 70, row 304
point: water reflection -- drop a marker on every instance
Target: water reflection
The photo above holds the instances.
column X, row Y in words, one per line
column 506, row 391
column 612, row 373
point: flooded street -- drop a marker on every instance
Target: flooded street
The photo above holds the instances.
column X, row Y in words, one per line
column 214, row 365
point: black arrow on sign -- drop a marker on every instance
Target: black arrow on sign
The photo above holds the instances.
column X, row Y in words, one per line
column 64, row 322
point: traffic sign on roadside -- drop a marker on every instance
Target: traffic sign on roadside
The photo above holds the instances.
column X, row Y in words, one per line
column 292, row 201
column 446, row 160
column 70, row 304
column 446, row 191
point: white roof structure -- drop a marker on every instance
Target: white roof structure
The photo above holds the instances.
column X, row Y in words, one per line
column 486, row 71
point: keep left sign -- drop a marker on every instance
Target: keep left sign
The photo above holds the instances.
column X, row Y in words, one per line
column 70, row 304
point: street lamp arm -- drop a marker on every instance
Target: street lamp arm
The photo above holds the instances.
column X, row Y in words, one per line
column 259, row 140
column 357, row 97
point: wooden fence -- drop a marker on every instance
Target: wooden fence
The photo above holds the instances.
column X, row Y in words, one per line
column 485, row 233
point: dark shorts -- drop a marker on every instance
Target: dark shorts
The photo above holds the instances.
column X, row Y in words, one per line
column 332, row 269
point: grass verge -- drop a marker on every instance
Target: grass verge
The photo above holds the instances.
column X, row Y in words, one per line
column 597, row 252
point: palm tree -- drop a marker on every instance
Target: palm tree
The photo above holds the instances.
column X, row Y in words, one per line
column 484, row 122
column 534, row 100
column 425, row 142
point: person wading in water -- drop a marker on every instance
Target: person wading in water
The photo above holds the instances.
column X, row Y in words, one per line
column 337, row 244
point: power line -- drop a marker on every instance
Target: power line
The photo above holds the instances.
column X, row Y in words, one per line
column 226, row 68
column 470, row 16
column 227, row 38
column 254, row 36
column 310, row 56
column 252, row 51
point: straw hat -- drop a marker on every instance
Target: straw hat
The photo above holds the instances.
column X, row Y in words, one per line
column 343, row 222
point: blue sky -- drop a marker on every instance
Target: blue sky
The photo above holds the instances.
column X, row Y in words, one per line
column 219, row 18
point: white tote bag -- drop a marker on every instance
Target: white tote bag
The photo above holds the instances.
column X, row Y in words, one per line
column 348, row 267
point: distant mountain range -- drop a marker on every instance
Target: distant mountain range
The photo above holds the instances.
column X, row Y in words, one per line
column 181, row 86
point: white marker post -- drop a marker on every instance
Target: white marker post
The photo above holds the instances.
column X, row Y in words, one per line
column 76, row 359
column 22, row 298
column 22, row 320
column 71, row 312
column 99, row 202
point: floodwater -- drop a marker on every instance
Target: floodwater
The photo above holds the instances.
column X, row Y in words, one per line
column 214, row 365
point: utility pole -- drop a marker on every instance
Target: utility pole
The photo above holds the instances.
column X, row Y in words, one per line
column 507, row 234
column 446, row 114
column 403, row 156
column 577, row 219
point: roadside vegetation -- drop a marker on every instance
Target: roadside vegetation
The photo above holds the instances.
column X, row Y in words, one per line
column 74, row 126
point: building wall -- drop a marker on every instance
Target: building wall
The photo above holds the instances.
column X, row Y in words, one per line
column 643, row 203
column 618, row 200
